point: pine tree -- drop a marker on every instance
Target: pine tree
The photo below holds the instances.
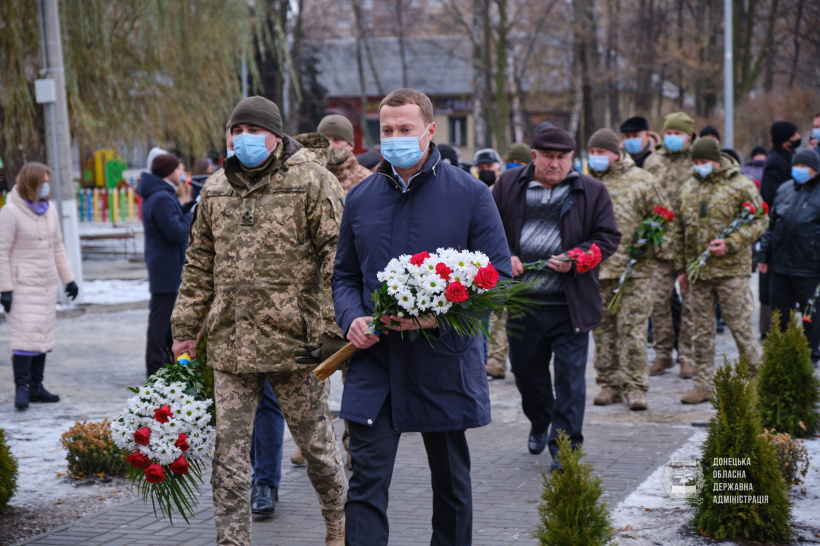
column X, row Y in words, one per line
column 788, row 389
column 572, row 513
column 735, row 446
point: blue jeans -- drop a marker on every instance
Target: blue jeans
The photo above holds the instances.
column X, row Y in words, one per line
column 266, row 449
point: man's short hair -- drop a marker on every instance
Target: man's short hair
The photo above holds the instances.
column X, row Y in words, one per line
column 403, row 96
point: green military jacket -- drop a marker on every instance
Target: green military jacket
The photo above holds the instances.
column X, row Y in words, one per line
column 704, row 208
column 259, row 262
column 635, row 193
column 671, row 170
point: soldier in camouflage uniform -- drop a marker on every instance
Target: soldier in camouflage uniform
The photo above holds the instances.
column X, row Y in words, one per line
column 262, row 248
column 620, row 341
column 671, row 165
column 341, row 160
column 707, row 203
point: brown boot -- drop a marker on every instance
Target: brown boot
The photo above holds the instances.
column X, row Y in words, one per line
column 335, row 526
column 297, row 459
column 686, row 369
column 696, row 396
column 495, row 370
column 660, row 365
column 636, row 400
column 607, row 396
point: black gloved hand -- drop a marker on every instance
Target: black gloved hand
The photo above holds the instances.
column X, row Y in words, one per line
column 5, row 301
column 71, row 290
column 316, row 353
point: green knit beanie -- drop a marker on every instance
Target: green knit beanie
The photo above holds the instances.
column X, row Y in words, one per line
column 258, row 111
column 519, row 152
column 706, row 148
column 680, row 122
column 336, row 126
column 606, row 139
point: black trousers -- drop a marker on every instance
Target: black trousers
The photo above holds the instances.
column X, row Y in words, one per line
column 374, row 451
column 159, row 339
column 536, row 338
column 788, row 291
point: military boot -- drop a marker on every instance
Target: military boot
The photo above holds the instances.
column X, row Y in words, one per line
column 660, row 365
column 686, row 369
column 607, row 396
column 36, row 391
column 22, row 374
column 696, row 396
column 297, row 459
column 335, row 527
column 636, row 400
column 495, row 370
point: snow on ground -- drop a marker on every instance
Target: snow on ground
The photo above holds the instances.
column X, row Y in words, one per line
column 115, row 291
column 644, row 517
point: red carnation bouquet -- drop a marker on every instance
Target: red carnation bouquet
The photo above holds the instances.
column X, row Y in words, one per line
column 747, row 214
column 454, row 287
column 650, row 231
column 584, row 260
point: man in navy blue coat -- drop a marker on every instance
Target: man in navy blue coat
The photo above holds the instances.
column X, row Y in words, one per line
column 413, row 203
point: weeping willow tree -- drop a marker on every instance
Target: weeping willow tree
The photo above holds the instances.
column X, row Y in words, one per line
column 135, row 70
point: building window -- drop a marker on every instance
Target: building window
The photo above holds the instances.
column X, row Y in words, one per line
column 344, row 5
column 343, row 22
column 367, row 4
column 434, row 3
column 415, row 3
column 458, row 130
column 374, row 129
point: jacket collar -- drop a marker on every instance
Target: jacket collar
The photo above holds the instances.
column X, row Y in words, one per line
column 527, row 175
column 426, row 172
column 246, row 181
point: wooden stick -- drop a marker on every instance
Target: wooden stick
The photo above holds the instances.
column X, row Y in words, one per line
column 329, row 366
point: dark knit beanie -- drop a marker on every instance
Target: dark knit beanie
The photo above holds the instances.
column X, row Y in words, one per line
column 605, row 139
column 782, row 131
column 164, row 165
column 519, row 152
column 758, row 150
column 706, row 148
column 635, row 125
column 680, row 122
column 258, row 111
column 807, row 157
column 710, row 130
column 336, row 126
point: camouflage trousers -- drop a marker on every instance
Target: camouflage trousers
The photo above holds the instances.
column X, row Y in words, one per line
column 303, row 400
column 737, row 306
column 621, row 361
column 499, row 348
column 663, row 285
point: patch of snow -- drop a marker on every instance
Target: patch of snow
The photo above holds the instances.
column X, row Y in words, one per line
column 116, row 291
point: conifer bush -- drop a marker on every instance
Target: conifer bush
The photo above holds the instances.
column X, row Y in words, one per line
column 788, row 390
column 91, row 450
column 744, row 495
column 572, row 513
column 8, row 472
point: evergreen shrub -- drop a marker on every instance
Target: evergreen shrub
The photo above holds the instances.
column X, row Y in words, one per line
column 8, row 472
column 91, row 451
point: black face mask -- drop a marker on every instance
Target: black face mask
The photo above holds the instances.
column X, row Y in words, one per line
column 488, row 177
column 795, row 144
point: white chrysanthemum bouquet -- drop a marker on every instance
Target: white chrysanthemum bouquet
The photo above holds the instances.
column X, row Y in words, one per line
column 457, row 288
column 167, row 429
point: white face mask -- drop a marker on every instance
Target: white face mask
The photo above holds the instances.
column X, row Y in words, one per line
column 45, row 190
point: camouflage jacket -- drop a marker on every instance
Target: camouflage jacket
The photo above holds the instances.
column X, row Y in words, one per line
column 260, row 255
column 635, row 193
column 346, row 167
column 704, row 208
column 671, row 170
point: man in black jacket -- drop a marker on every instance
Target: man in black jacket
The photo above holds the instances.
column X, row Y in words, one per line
column 788, row 249
column 548, row 209
column 785, row 140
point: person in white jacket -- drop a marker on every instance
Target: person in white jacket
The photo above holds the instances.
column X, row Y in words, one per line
column 32, row 261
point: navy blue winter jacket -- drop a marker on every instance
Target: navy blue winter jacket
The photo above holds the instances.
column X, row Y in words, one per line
column 165, row 224
column 435, row 388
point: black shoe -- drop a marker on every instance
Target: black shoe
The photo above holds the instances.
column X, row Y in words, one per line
column 39, row 393
column 556, row 466
column 263, row 499
column 21, row 398
column 721, row 327
column 537, row 442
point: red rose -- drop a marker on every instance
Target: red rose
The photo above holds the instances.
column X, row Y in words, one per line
column 142, row 436
column 486, row 277
column 750, row 207
column 443, row 271
column 418, row 259
column 155, row 474
column 806, row 319
column 182, row 442
column 456, row 292
column 765, row 207
column 138, row 460
column 163, row 414
column 180, row 465
column 665, row 213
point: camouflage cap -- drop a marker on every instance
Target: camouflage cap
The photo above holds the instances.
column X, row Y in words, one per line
column 680, row 122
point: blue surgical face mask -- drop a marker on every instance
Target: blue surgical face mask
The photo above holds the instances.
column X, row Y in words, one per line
column 815, row 133
column 633, row 145
column 703, row 170
column 45, row 190
column 229, row 154
column 800, row 174
column 598, row 163
column 403, row 152
column 674, row 143
column 250, row 149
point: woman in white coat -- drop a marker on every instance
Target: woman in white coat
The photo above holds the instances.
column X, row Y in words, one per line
column 32, row 261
